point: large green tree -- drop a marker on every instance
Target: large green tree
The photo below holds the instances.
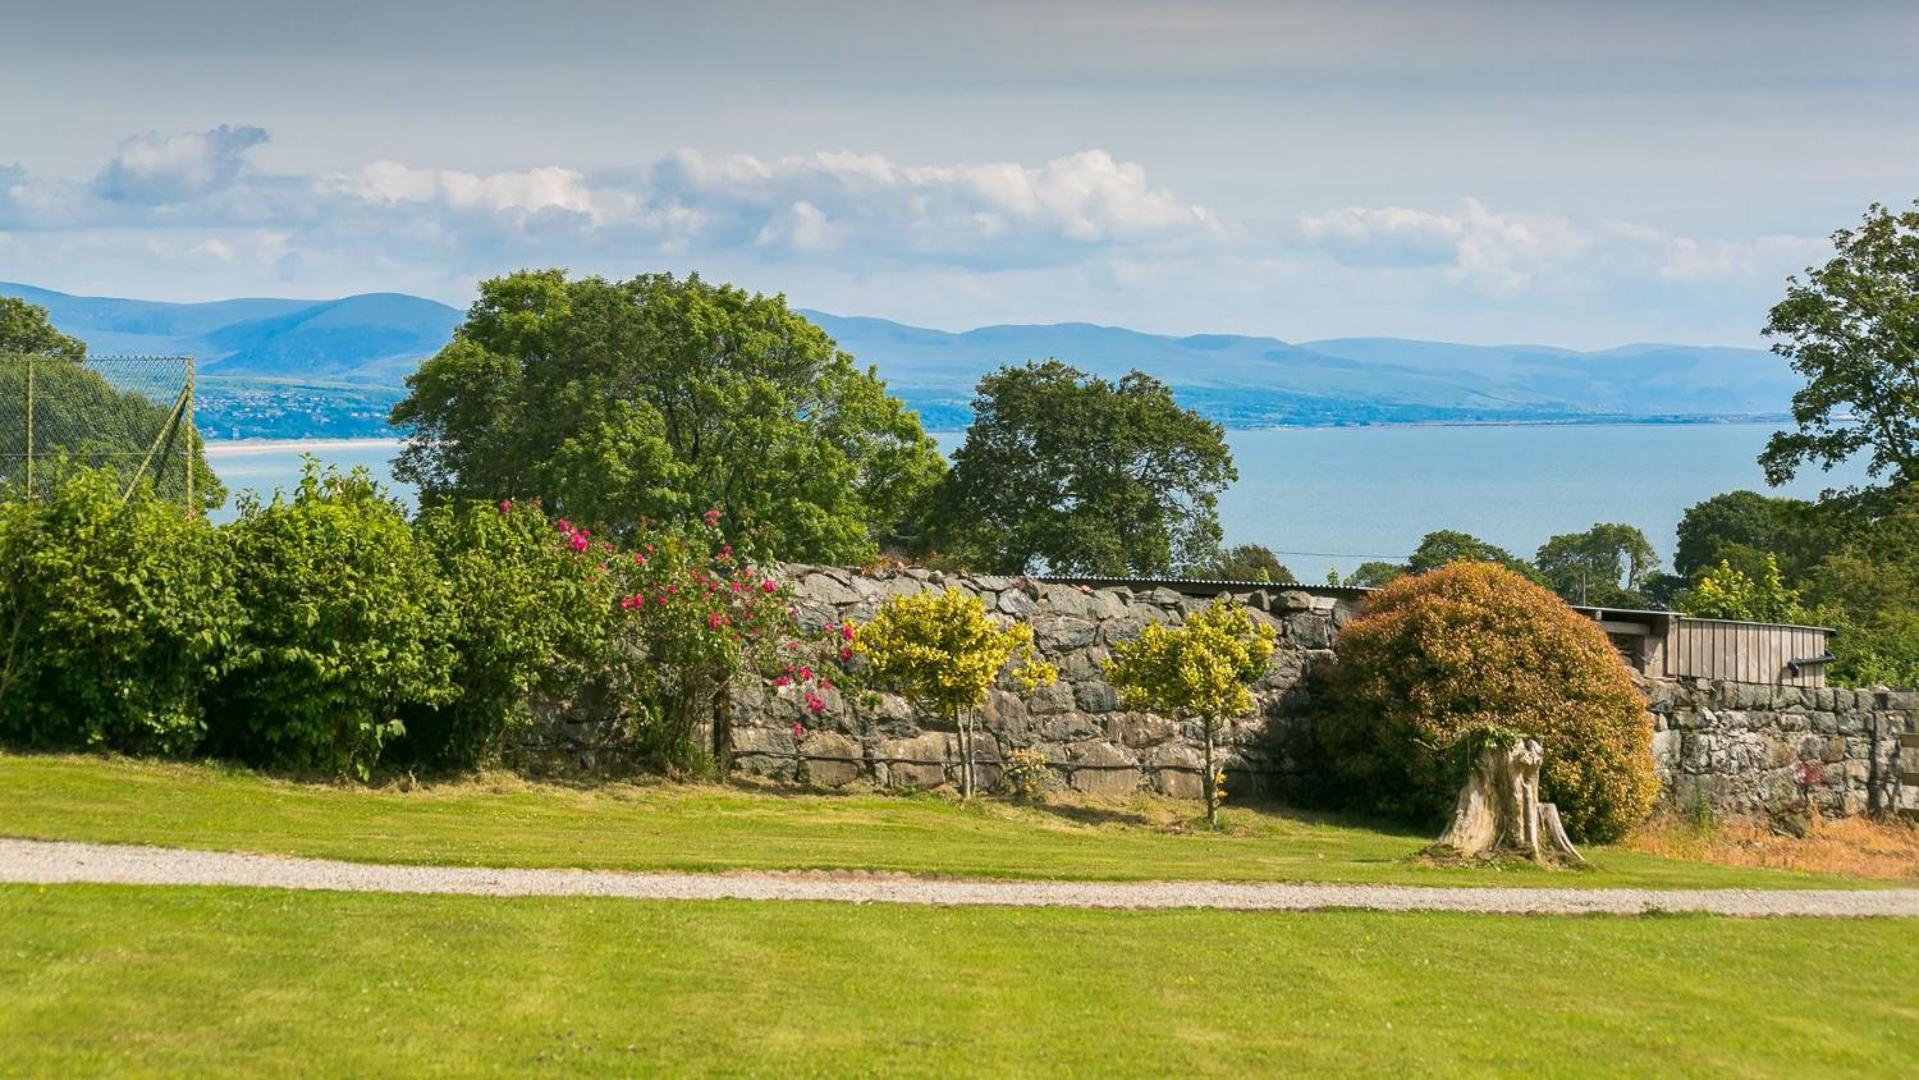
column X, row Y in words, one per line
column 1735, row 525
column 1852, row 329
column 1443, row 547
column 1609, row 564
column 660, row 399
column 1075, row 474
column 80, row 419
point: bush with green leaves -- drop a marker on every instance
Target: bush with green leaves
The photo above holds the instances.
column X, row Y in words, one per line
column 532, row 604
column 114, row 615
column 349, row 626
column 1437, row 662
column 1203, row 670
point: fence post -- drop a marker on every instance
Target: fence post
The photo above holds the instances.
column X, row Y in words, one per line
column 29, row 425
column 192, row 432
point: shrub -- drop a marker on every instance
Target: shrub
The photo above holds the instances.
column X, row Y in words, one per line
column 1437, row 661
column 940, row 651
column 348, row 625
column 114, row 615
column 1202, row 670
column 532, row 607
column 693, row 618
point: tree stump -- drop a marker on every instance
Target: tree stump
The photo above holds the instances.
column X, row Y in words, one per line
column 1499, row 812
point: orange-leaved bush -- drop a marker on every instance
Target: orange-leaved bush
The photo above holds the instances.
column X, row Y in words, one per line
column 1437, row 662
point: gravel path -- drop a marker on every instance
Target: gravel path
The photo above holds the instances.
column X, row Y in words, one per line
column 58, row 862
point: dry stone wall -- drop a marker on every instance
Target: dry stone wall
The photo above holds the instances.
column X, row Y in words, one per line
column 1093, row 744
column 1738, row 748
column 1752, row 748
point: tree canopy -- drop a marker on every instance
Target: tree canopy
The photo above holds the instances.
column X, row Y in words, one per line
column 83, row 420
column 1443, row 547
column 1609, row 565
column 1852, row 329
column 1079, row 475
column 1245, row 562
column 660, row 399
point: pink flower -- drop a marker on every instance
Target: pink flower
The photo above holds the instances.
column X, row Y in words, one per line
column 846, row 654
column 814, row 704
column 506, row 505
column 806, row 674
column 781, row 681
column 846, row 632
column 714, row 619
column 826, row 683
column 768, row 586
column 577, row 542
column 799, row 730
column 639, row 559
column 712, row 518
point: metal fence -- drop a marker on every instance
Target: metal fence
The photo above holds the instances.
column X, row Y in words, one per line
column 130, row 414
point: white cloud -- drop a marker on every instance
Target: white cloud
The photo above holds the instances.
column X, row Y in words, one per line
column 1503, row 253
column 388, row 182
column 152, row 169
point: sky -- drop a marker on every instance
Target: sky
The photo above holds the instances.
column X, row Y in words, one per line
column 1571, row 174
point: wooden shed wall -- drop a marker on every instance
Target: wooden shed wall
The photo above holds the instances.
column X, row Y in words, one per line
column 1744, row 652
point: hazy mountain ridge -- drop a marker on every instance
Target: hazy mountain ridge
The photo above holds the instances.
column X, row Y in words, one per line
column 373, row 340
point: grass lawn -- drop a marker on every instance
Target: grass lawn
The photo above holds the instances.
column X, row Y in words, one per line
column 506, row 822
column 187, row 980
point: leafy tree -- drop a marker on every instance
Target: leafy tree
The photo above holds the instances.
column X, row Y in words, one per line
column 1852, row 329
column 1202, row 670
column 1373, row 574
column 1608, row 564
column 1870, row 587
column 81, row 420
column 530, row 616
column 1245, row 562
column 24, row 328
column 1727, row 592
column 1446, row 546
column 1800, row 533
column 348, row 627
column 115, row 614
column 1079, row 475
column 656, row 398
column 940, row 651
column 1436, row 663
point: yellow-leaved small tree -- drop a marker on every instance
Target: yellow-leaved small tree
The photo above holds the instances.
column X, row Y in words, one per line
column 1203, row 670
column 940, row 651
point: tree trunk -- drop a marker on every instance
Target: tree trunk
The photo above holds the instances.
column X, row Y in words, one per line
column 1210, row 782
column 966, row 756
column 1499, row 812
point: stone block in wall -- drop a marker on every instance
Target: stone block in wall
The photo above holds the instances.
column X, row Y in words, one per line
column 917, row 762
column 1175, row 770
column 1070, row 600
column 1095, row 697
column 1053, row 697
column 764, row 751
column 1005, row 712
column 1100, row 768
column 832, row 759
column 1140, row 729
column 1288, row 601
column 1309, row 630
column 1083, row 664
column 1055, row 634
column 1016, row 603
column 1068, row 726
column 827, row 588
column 1111, row 603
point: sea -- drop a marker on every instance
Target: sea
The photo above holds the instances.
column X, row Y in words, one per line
column 1330, row 498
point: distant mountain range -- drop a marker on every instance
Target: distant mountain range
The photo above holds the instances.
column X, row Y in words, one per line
column 364, row 345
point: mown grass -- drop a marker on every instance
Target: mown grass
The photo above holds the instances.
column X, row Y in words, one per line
column 105, row 979
column 660, row 826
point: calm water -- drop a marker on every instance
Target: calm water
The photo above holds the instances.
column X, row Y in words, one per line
column 1335, row 497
